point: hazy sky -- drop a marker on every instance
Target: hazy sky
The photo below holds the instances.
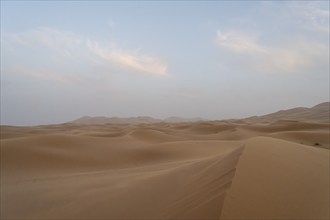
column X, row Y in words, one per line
column 62, row 60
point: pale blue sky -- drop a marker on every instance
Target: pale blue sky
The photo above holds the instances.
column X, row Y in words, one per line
column 217, row 60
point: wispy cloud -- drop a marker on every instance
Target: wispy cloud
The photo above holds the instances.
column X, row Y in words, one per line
column 130, row 60
column 44, row 73
column 310, row 15
column 51, row 49
column 288, row 57
column 142, row 63
column 238, row 42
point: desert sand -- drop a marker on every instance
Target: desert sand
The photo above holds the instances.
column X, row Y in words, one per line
column 234, row 169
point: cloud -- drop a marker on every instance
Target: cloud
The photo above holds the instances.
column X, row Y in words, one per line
column 129, row 60
column 62, row 42
column 311, row 15
column 238, row 42
column 291, row 37
column 300, row 16
column 44, row 73
column 142, row 63
column 64, row 55
column 288, row 57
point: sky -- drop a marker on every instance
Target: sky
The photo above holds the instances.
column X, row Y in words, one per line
column 61, row 60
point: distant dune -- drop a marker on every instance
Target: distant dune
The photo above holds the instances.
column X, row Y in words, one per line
column 115, row 120
column 232, row 169
column 130, row 120
column 318, row 113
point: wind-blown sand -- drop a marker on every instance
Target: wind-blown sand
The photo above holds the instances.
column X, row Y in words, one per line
column 203, row 170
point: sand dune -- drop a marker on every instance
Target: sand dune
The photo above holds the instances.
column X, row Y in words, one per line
column 232, row 169
column 277, row 179
column 317, row 113
column 67, row 176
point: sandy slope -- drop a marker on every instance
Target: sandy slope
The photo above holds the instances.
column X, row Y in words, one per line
column 166, row 171
column 277, row 179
